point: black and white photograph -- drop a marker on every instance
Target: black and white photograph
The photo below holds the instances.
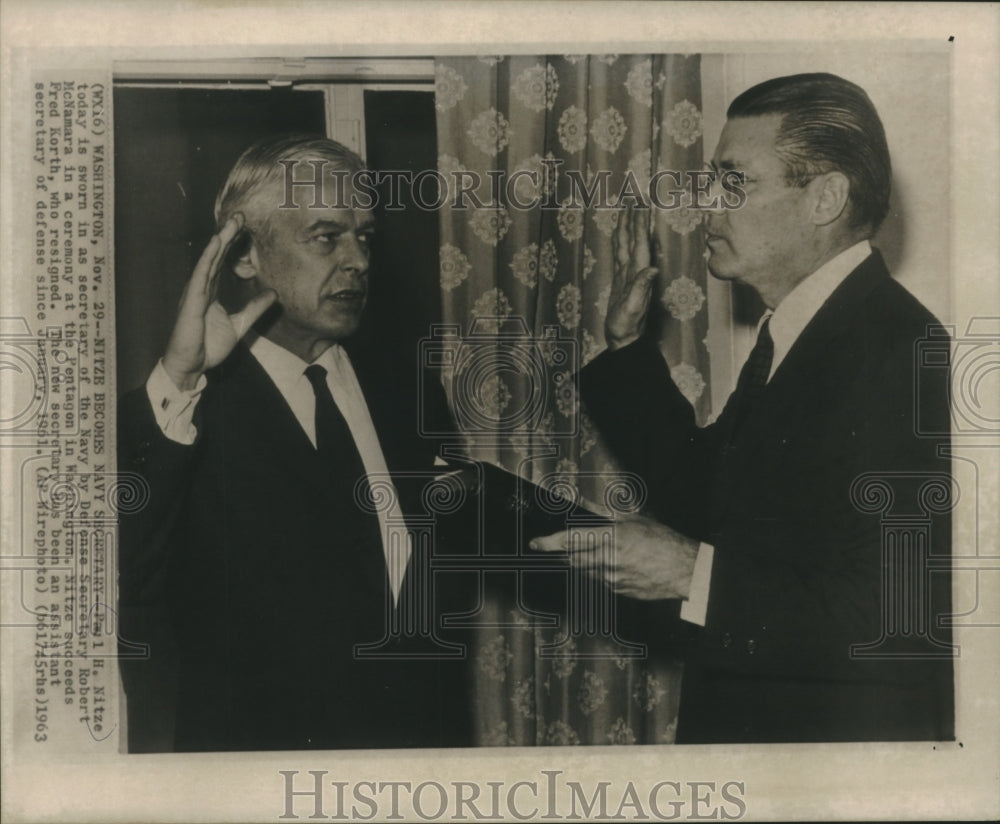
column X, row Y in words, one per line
column 414, row 427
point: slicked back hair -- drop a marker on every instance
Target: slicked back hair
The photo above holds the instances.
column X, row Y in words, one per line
column 827, row 124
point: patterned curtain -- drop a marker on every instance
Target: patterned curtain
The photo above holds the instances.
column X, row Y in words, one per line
column 544, row 274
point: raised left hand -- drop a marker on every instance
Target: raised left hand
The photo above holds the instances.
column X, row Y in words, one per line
column 648, row 560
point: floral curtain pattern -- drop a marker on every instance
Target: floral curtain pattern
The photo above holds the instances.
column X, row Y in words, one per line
column 546, row 270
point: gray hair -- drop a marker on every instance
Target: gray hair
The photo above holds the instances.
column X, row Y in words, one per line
column 258, row 170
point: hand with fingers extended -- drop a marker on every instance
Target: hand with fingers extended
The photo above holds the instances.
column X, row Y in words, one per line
column 205, row 333
column 632, row 282
column 648, row 561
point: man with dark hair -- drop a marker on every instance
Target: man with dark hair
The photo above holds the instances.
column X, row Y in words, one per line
column 263, row 558
column 804, row 620
column 827, row 123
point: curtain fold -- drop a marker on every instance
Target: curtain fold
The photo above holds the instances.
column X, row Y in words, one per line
column 529, row 287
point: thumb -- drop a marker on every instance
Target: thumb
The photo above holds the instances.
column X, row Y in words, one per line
column 642, row 287
column 647, row 276
column 549, row 543
column 250, row 314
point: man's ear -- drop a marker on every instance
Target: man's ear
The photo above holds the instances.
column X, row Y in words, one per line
column 246, row 266
column 832, row 193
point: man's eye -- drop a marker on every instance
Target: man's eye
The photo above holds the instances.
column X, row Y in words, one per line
column 332, row 238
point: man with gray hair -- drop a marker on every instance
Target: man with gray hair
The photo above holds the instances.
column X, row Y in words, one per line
column 260, row 558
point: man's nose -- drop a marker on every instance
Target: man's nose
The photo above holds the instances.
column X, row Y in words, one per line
column 716, row 196
column 355, row 255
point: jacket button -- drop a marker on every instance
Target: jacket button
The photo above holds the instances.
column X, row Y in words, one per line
column 751, row 646
column 727, row 639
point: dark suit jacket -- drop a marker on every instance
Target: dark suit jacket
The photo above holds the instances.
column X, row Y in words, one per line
column 246, row 566
column 798, row 572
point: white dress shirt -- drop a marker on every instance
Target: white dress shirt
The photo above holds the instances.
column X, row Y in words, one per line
column 788, row 320
column 174, row 411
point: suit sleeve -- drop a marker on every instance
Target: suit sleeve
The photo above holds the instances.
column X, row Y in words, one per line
column 163, row 464
column 650, row 428
column 145, row 542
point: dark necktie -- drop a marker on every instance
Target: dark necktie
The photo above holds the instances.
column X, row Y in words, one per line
column 753, row 377
column 358, row 535
column 334, row 440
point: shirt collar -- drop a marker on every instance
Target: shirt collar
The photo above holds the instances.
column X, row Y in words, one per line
column 800, row 305
column 285, row 368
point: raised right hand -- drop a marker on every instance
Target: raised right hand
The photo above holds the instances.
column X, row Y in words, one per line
column 632, row 281
column 205, row 333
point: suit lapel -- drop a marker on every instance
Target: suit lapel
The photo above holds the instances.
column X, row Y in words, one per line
column 383, row 392
column 827, row 337
column 829, row 330
column 395, row 417
column 254, row 406
column 259, row 412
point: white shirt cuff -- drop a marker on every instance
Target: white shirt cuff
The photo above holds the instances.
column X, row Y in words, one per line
column 173, row 407
column 695, row 608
